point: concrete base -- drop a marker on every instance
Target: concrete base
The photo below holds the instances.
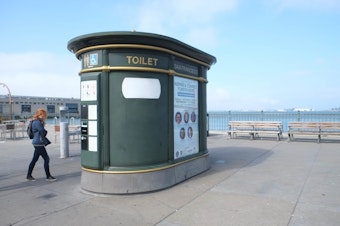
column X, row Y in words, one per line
column 107, row 182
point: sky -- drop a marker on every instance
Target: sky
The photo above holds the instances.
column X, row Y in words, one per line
column 271, row 54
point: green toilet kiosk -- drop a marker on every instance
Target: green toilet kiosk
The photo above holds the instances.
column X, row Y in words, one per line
column 143, row 111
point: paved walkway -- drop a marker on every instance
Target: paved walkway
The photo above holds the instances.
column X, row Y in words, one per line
column 260, row 182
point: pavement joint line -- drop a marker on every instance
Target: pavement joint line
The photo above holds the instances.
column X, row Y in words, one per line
column 304, row 184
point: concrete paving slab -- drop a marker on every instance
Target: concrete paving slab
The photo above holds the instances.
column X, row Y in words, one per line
column 307, row 214
column 218, row 208
column 250, row 182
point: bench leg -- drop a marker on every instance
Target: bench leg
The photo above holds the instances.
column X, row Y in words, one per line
column 251, row 136
column 319, row 138
column 290, row 136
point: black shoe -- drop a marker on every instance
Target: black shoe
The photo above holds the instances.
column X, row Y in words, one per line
column 30, row 178
column 50, row 178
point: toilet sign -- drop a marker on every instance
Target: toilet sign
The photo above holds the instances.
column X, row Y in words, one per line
column 91, row 60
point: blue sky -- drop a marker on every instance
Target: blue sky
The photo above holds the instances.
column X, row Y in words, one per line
column 271, row 54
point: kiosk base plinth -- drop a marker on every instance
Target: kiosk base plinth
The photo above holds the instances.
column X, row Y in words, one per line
column 106, row 182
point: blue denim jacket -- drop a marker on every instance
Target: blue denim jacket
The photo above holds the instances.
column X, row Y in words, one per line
column 39, row 133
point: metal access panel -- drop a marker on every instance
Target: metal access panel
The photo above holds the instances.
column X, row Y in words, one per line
column 90, row 150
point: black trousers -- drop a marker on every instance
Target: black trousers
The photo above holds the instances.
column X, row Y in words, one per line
column 39, row 151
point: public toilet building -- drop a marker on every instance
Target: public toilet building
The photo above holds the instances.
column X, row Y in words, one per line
column 143, row 111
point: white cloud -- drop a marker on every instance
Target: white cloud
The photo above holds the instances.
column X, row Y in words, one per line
column 209, row 38
column 40, row 74
column 221, row 99
column 299, row 74
column 217, row 98
column 184, row 17
column 318, row 5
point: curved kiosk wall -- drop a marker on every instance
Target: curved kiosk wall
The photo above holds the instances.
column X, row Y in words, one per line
column 143, row 111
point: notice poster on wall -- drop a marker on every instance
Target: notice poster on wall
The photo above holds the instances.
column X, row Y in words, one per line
column 93, row 144
column 88, row 90
column 185, row 117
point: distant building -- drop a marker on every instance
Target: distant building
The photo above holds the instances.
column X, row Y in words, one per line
column 303, row 109
column 23, row 107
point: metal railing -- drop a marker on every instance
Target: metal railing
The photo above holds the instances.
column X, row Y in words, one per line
column 218, row 121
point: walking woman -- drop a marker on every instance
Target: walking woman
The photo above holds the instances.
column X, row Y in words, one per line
column 39, row 142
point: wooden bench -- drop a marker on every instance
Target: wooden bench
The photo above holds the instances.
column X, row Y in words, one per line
column 254, row 128
column 20, row 130
column 313, row 128
column 56, row 132
column 10, row 130
column 2, row 132
column 74, row 131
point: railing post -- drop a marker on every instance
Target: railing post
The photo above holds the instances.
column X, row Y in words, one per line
column 64, row 137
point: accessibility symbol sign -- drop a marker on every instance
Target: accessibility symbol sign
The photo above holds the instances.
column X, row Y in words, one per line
column 94, row 59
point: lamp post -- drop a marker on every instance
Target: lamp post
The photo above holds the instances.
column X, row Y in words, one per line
column 10, row 99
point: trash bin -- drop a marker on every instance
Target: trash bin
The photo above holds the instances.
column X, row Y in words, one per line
column 143, row 111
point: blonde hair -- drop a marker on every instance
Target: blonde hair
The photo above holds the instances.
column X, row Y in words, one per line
column 39, row 112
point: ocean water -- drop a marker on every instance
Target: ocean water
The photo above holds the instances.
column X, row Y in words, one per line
column 220, row 120
column 71, row 121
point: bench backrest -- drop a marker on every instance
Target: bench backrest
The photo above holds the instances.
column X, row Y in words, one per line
column 255, row 124
column 56, row 128
column 10, row 126
column 314, row 125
